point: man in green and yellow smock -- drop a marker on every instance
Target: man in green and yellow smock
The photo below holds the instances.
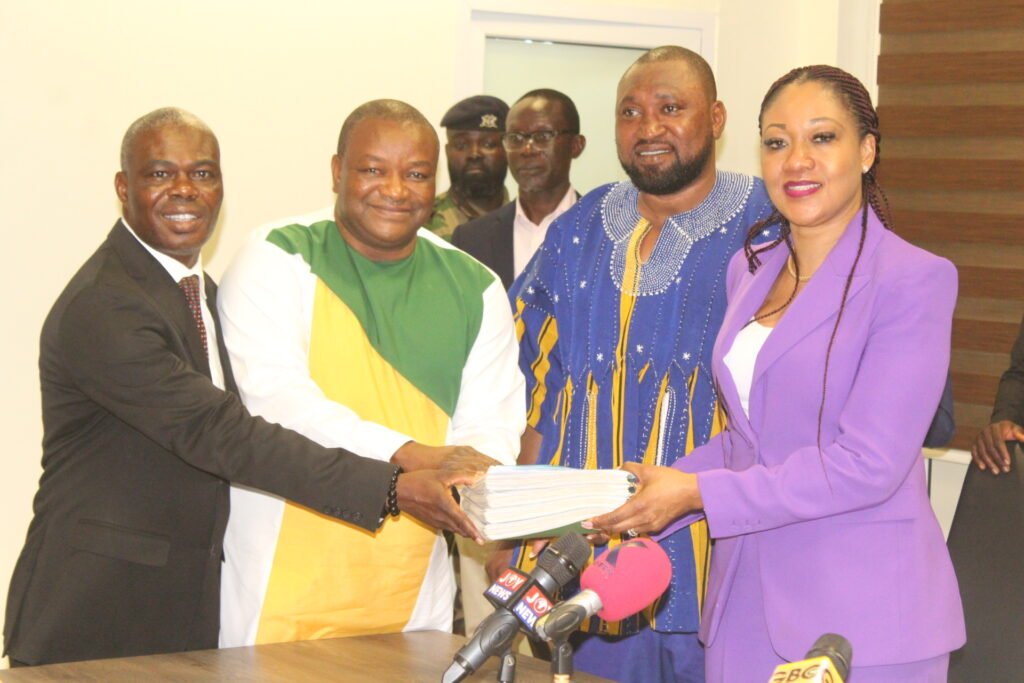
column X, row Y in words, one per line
column 359, row 328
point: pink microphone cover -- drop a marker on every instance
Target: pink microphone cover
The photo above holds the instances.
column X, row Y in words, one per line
column 628, row 577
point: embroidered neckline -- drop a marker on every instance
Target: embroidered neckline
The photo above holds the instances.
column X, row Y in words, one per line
column 619, row 217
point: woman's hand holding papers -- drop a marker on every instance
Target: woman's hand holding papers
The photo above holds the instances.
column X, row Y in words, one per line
column 665, row 495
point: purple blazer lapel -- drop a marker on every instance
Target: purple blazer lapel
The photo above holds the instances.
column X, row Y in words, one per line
column 820, row 298
column 743, row 304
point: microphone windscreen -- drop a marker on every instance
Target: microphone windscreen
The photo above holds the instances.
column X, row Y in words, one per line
column 628, row 577
column 564, row 558
column 836, row 648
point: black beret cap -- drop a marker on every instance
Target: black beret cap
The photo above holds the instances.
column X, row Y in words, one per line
column 480, row 112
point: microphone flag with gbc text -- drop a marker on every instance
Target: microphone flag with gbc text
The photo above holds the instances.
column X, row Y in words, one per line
column 828, row 661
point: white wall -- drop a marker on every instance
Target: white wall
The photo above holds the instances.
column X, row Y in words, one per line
column 274, row 80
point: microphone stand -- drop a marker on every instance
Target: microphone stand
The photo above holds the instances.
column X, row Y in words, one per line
column 507, row 670
column 561, row 660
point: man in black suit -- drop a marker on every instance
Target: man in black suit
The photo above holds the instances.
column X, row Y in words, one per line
column 989, row 449
column 542, row 137
column 140, row 438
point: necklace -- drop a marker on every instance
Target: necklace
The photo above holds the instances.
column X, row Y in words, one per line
column 792, row 271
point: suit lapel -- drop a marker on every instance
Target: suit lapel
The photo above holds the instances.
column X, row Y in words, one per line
column 503, row 244
column 225, row 360
column 819, row 301
column 744, row 302
column 157, row 284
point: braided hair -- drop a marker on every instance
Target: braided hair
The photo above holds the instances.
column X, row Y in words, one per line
column 855, row 98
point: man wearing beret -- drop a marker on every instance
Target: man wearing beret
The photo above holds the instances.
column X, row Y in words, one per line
column 476, row 163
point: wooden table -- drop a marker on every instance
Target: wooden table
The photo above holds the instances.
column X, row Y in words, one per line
column 417, row 657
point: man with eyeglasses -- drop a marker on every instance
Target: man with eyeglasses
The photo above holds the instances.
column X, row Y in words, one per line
column 476, row 163
column 542, row 137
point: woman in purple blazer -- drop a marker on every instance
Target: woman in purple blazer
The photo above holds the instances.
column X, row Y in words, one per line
column 830, row 362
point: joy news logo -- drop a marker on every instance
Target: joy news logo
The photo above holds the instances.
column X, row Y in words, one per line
column 506, row 586
column 532, row 607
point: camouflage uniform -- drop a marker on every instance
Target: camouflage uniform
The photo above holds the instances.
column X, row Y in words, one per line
column 449, row 214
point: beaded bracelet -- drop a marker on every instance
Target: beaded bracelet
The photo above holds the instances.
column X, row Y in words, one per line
column 391, row 505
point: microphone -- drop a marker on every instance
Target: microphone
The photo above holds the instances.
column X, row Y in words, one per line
column 827, row 662
column 519, row 599
column 621, row 582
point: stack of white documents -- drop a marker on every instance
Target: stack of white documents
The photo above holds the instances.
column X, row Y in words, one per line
column 541, row 501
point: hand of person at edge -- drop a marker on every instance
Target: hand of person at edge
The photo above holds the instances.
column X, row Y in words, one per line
column 499, row 559
column 414, row 456
column 989, row 450
column 427, row 496
column 664, row 495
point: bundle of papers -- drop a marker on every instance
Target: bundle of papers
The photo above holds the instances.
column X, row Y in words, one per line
column 541, row 501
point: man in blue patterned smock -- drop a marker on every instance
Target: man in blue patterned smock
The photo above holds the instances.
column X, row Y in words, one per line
column 617, row 314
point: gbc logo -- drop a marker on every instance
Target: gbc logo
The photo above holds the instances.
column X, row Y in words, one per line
column 798, row 672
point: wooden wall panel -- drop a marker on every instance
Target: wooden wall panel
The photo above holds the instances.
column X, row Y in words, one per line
column 950, row 15
column 953, row 174
column 953, row 41
column 981, row 255
column 971, row 362
column 951, row 94
column 998, row 283
column 983, row 335
column 951, row 67
column 940, row 121
column 951, row 104
column 949, row 226
column 973, row 388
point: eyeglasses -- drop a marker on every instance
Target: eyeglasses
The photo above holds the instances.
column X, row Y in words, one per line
column 540, row 138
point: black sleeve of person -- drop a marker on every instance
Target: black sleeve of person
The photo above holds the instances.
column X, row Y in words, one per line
column 120, row 354
column 1009, row 404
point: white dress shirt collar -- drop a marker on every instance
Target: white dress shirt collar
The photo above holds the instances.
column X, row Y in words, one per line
column 527, row 236
column 175, row 268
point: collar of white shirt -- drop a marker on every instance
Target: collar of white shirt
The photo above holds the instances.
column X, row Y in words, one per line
column 522, row 222
column 175, row 268
column 527, row 236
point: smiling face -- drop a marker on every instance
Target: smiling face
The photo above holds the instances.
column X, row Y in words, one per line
column 812, row 157
column 666, row 125
column 385, row 186
column 171, row 189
